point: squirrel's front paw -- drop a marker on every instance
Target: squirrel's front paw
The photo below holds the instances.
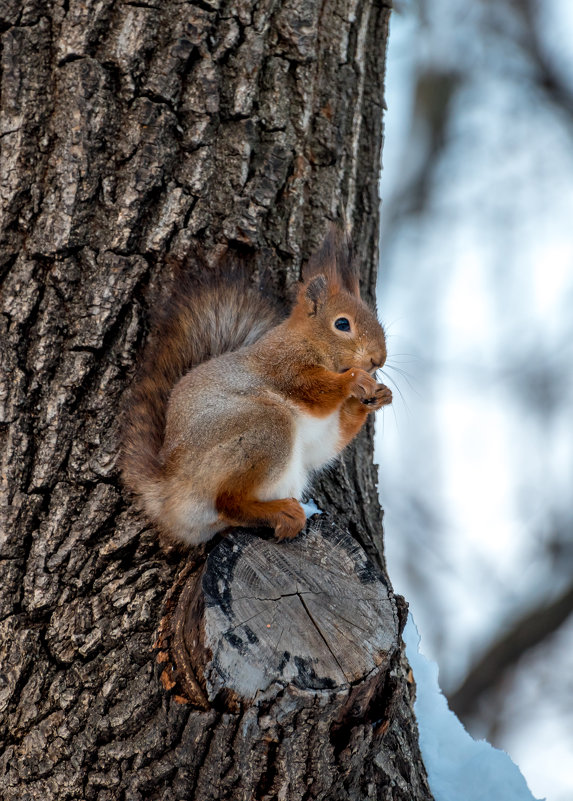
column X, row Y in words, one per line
column 362, row 385
column 382, row 397
column 290, row 520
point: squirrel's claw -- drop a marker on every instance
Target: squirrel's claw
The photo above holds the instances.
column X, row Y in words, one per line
column 291, row 520
column 362, row 385
column 381, row 397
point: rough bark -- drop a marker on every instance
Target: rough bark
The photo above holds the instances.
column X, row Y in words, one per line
column 128, row 131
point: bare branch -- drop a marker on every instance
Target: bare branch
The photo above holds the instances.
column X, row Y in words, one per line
column 528, row 632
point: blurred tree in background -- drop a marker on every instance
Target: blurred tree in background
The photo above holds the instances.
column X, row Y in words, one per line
column 476, row 289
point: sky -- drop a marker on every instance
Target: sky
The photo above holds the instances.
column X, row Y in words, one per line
column 476, row 455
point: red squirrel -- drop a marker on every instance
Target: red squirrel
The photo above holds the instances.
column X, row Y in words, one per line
column 235, row 409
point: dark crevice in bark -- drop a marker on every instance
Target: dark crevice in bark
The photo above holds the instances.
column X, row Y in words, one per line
column 69, row 58
column 156, row 98
column 268, row 774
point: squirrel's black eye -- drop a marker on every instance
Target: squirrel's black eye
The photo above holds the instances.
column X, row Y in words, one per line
column 342, row 324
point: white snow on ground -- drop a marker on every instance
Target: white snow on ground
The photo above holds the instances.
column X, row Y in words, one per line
column 459, row 767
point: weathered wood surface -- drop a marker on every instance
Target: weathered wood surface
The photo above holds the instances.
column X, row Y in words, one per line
column 129, row 130
column 313, row 613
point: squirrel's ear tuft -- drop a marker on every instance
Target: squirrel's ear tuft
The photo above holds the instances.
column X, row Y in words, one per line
column 315, row 293
column 335, row 261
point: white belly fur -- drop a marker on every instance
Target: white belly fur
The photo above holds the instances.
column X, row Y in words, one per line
column 315, row 444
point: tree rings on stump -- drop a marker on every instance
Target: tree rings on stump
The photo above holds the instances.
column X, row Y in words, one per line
column 312, row 613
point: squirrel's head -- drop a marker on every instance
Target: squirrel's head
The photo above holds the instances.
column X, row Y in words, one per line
column 341, row 326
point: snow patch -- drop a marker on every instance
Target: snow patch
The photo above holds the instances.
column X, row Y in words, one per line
column 459, row 767
column 310, row 508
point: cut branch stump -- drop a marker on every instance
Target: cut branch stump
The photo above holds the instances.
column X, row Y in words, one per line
column 296, row 641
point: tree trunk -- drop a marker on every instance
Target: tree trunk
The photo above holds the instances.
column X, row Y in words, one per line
column 130, row 131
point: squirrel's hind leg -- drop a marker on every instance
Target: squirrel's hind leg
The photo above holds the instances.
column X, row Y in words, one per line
column 285, row 515
column 257, row 469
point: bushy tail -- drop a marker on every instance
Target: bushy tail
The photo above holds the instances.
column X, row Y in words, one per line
column 202, row 319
